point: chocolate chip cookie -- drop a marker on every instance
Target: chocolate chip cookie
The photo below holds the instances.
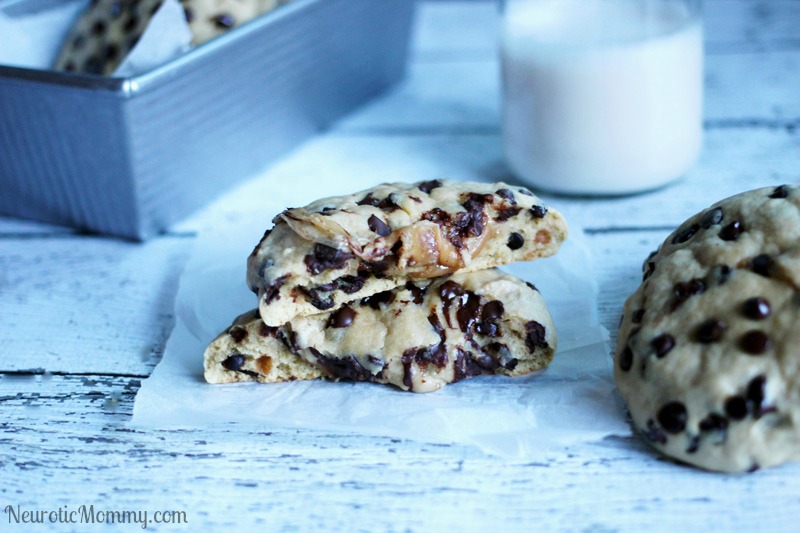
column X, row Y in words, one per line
column 345, row 248
column 108, row 30
column 417, row 337
column 708, row 356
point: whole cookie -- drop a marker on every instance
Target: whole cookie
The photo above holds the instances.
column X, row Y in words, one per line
column 418, row 337
column 708, row 354
column 348, row 247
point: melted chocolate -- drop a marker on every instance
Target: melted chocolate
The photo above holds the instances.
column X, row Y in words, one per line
column 272, row 291
column 534, row 336
column 324, row 258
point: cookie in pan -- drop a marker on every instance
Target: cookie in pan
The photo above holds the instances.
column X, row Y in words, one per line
column 418, row 337
column 708, row 356
column 109, row 29
column 349, row 247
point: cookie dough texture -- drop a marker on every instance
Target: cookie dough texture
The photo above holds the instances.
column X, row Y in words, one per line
column 109, row 29
column 349, row 247
column 418, row 337
column 708, row 356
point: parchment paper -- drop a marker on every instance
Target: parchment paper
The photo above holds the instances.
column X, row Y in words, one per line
column 572, row 401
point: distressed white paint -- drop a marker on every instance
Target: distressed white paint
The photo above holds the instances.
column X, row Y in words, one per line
column 74, row 304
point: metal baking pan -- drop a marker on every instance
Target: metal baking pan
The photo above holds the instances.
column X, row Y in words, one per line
column 130, row 156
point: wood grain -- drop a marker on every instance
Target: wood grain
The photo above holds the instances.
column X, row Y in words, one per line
column 83, row 318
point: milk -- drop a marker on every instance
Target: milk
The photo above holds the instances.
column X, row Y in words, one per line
column 599, row 96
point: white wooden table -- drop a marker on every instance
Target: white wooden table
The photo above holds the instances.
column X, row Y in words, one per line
column 83, row 319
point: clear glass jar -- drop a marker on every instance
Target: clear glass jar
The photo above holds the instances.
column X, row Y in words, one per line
column 601, row 96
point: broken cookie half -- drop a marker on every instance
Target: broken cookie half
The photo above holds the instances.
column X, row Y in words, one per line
column 344, row 248
column 417, row 337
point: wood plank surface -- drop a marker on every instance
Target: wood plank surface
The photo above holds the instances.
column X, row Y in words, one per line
column 84, row 318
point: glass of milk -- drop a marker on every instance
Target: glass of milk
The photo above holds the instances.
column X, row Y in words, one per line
column 601, row 97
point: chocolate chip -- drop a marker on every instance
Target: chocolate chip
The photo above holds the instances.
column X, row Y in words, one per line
column 317, row 300
column 683, row 290
column 535, row 336
column 378, row 226
column 238, row 334
column 755, row 342
column 720, row 274
column 506, row 212
column 428, row 186
column 515, row 241
column 489, row 329
column 626, row 359
column 694, row 444
column 324, row 258
column 493, row 310
column 347, row 368
column 131, row 24
column 98, row 28
column 531, row 286
column 374, row 301
column 234, row 362
column 756, row 308
column 375, row 268
column 188, row 13
column 471, row 224
column 662, row 344
column 713, row 422
column 736, row 408
column 712, row 218
column 79, row 41
column 672, row 417
column 465, row 366
column 268, row 331
column 342, row 318
column 273, row 290
column 417, row 293
column 780, row 192
column 755, row 394
column 93, row 65
column 685, row 234
column 387, row 204
column 637, row 316
column 732, row 231
column 468, row 312
column 223, row 21
column 762, row 265
column 349, row 284
column 449, row 290
column 524, row 191
column 651, row 267
column 710, row 331
column 653, row 433
column 111, row 52
column 506, row 195
column 538, row 211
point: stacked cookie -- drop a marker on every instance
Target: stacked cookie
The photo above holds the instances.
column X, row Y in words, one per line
column 109, row 29
column 396, row 285
column 707, row 358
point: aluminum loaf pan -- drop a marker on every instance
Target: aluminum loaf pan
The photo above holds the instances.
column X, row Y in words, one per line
column 130, row 156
